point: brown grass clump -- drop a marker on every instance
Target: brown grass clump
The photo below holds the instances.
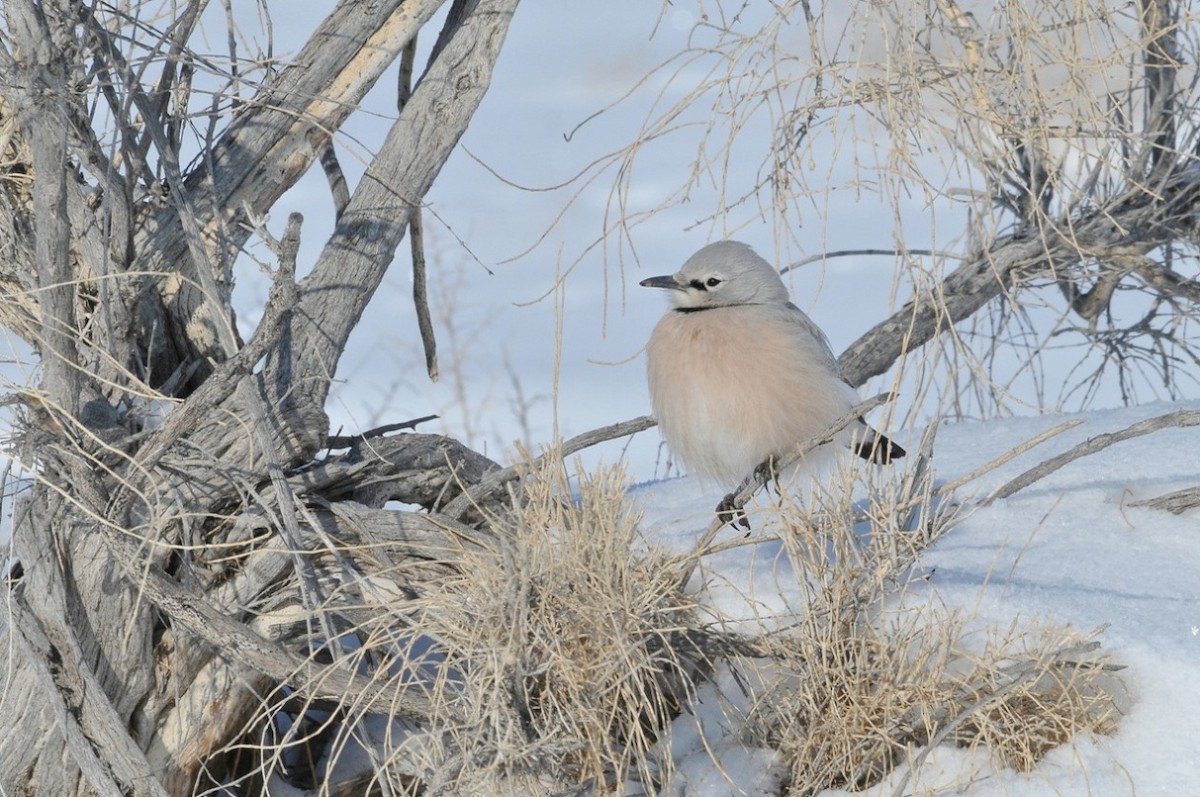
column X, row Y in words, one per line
column 553, row 650
column 863, row 679
column 845, row 710
column 845, row 706
column 566, row 647
column 1035, row 692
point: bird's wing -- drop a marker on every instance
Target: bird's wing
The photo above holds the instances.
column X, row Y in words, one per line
column 798, row 318
column 871, row 445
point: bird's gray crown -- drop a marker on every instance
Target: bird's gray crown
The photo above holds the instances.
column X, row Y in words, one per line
column 723, row 274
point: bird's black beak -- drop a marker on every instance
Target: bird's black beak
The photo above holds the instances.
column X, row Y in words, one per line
column 666, row 281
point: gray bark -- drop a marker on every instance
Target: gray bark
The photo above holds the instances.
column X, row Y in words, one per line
column 1125, row 230
column 158, row 564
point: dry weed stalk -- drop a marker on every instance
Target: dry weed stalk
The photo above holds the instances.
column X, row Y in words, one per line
column 866, row 674
column 569, row 638
column 554, row 656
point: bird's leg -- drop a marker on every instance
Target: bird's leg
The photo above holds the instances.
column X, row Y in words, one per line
column 766, row 474
column 731, row 511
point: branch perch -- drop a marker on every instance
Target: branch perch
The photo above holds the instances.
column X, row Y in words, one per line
column 732, row 505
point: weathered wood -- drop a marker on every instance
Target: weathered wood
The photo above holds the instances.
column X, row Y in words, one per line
column 92, row 617
column 1158, row 215
column 98, row 668
column 42, row 72
column 1176, row 502
column 269, row 147
column 424, row 469
column 175, row 617
column 93, row 732
column 363, row 244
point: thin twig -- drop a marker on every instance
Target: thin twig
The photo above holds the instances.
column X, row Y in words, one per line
column 919, row 480
column 1179, row 418
column 408, row 58
column 420, row 292
column 339, row 191
column 350, row 440
column 733, row 503
column 869, row 253
column 495, row 480
column 416, row 234
column 1007, row 456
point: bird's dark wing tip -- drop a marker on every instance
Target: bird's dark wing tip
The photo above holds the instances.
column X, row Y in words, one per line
column 878, row 449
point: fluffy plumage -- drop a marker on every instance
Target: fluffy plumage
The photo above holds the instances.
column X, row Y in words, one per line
column 738, row 373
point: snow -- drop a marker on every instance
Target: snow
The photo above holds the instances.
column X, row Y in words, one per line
column 1069, row 549
column 711, row 758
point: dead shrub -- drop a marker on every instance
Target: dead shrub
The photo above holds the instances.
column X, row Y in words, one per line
column 569, row 644
column 556, row 649
column 865, row 675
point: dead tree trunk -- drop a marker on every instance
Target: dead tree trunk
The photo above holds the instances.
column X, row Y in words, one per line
column 160, row 561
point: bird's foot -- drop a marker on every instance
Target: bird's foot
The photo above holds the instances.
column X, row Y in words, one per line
column 733, row 514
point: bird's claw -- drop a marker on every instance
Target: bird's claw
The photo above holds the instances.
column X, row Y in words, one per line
column 729, row 511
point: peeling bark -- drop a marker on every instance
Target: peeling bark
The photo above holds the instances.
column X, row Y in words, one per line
column 168, row 569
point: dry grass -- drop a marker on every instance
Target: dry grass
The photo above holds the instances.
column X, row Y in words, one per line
column 848, row 706
column 556, row 657
column 1035, row 690
column 568, row 639
column 868, row 674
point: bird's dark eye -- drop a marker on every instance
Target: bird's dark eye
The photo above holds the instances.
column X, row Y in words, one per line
column 713, row 282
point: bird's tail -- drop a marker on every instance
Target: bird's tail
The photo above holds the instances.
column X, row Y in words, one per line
column 875, row 447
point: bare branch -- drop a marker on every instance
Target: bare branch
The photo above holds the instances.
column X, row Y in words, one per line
column 364, row 242
column 349, row 441
column 1176, row 502
column 1167, row 282
column 420, row 294
column 423, row 469
column 282, row 131
column 222, row 383
column 730, row 510
column 1013, row 259
column 336, row 178
column 487, row 489
column 1179, row 418
column 949, row 487
column 823, row 256
column 43, row 77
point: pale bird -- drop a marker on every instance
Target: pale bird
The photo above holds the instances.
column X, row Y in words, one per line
column 739, row 374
